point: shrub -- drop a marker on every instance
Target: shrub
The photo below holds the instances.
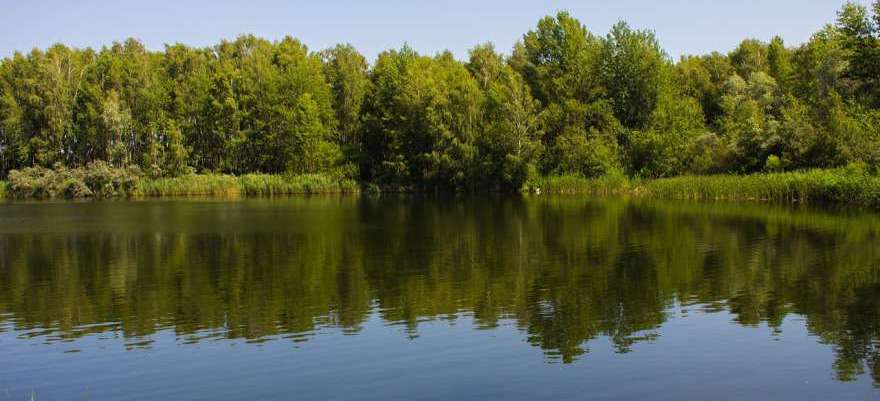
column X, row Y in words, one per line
column 773, row 164
column 587, row 157
column 107, row 181
column 97, row 179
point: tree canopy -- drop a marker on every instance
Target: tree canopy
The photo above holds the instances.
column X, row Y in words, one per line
column 564, row 100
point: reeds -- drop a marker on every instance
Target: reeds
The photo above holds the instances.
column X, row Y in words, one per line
column 616, row 184
column 245, row 185
column 837, row 186
column 188, row 185
column 812, row 186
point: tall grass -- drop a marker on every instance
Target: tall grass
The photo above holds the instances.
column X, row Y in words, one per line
column 813, row 186
column 245, row 185
column 838, row 186
column 615, row 184
column 188, row 185
column 263, row 184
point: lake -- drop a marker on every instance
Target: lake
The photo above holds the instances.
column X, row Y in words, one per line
column 458, row 298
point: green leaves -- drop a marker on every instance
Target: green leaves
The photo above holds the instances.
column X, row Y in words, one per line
column 633, row 68
column 561, row 60
column 346, row 72
column 420, row 121
column 564, row 101
column 860, row 36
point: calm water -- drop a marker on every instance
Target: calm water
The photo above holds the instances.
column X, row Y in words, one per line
column 459, row 299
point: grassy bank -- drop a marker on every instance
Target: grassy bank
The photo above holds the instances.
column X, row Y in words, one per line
column 245, row 185
column 840, row 186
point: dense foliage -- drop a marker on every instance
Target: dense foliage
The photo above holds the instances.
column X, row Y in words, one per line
column 97, row 179
column 564, row 102
column 101, row 180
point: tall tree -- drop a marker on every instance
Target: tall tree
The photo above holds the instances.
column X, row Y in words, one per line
column 632, row 69
column 509, row 146
column 861, row 38
column 346, row 72
column 561, row 60
column 750, row 57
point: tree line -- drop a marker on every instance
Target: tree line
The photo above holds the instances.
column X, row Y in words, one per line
column 564, row 101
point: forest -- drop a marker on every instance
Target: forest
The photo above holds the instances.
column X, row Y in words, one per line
column 564, row 101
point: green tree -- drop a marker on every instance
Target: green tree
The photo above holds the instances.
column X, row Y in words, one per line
column 221, row 120
column 560, row 60
column 421, row 118
column 510, row 145
column 750, row 57
column 346, row 72
column 175, row 153
column 633, row 68
column 861, row 38
column 749, row 122
column 703, row 78
column 663, row 149
column 118, row 124
column 820, row 68
column 779, row 62
column 13, row 153
column 565, row 101
column 587, row 139
column 308, row 149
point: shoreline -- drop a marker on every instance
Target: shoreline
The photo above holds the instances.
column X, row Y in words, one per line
column 844, row 187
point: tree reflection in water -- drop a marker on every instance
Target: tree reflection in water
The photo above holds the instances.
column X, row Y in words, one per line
column 563, row 270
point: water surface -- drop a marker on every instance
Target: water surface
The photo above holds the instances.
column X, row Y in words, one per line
column 424, row 298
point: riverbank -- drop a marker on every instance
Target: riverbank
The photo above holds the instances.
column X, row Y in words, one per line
column 837, row 186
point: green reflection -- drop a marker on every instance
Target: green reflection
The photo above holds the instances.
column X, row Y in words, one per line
column 564, row 270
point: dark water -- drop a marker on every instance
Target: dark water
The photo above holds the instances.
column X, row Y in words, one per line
column 459, row 299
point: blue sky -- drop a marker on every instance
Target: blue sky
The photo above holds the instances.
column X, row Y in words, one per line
column 683, row 26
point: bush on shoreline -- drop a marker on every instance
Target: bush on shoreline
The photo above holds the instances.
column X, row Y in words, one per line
column 97, row 179
column 101, row 180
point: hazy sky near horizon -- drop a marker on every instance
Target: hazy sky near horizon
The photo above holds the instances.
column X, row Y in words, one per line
column 682, row 26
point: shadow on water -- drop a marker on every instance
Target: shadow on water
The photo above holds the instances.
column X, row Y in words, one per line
column 564, row 271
